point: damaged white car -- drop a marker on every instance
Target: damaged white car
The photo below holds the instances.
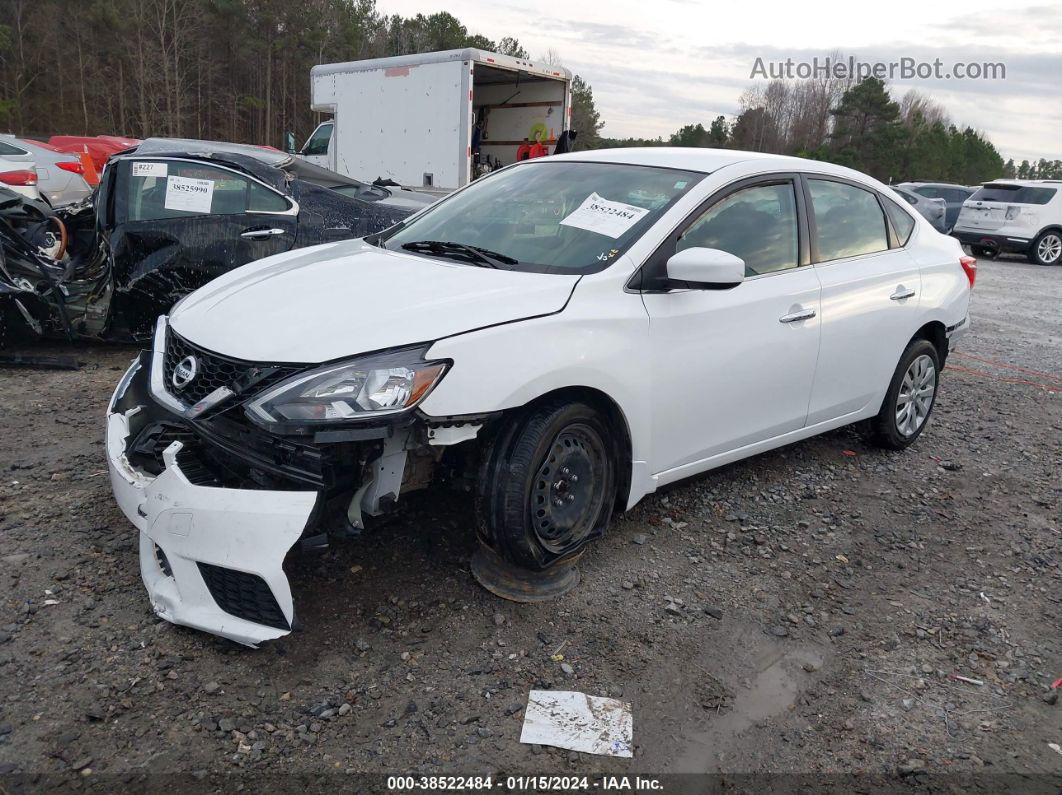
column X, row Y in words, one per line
column 563, row 337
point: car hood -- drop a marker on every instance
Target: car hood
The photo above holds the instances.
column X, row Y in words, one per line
column 340, row 299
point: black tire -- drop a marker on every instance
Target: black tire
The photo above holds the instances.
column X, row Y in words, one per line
column 887, row 429
column 547, row 484
column 1051, row 244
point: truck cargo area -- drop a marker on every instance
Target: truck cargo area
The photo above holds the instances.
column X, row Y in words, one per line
column 512, row 106
column 415, row 119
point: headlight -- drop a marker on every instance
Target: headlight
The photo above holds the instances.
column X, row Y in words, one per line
column 371, row 386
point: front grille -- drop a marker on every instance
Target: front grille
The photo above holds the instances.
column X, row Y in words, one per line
column 243, row 595
column 213, row 371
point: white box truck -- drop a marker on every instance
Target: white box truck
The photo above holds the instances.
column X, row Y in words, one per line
column 411, row 118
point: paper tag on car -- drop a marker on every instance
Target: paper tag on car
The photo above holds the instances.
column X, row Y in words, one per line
column 605, row 217
column 190, row 195
column 149, row 169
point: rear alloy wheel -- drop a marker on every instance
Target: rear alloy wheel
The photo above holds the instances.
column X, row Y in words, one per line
column 1047, row 250
column 548, row 485
column 910, row 399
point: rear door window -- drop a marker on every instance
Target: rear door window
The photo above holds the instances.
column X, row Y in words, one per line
column 849, row 220
column 175, row 189
column 1013, row 194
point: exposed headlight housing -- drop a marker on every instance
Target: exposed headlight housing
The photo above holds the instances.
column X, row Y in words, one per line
column 370, row 386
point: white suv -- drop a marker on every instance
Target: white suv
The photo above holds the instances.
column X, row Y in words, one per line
column 1018, row 216
column 561, row 338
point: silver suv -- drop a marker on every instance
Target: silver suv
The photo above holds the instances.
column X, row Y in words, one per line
column 1018, row 216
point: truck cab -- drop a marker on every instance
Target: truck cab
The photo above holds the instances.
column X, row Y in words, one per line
column 318, row 147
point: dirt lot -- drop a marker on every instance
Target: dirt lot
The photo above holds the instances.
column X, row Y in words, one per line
column 798, row 612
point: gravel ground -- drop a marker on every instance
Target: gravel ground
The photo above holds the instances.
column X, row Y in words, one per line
column 802, row 611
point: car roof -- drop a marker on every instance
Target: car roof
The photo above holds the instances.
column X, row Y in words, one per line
column 45, row 151
column 705, row 160
column 936, row 185
column 192, row 146
column 1024, row 182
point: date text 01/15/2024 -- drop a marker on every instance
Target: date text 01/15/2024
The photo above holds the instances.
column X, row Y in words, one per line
column 523, row 783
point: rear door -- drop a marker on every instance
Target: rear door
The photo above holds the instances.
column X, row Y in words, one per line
column 177, row 224
column 870, row 293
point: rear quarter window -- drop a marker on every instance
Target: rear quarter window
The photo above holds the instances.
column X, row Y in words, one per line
column 1013, row 194
column 8, row 149
column 902, row 222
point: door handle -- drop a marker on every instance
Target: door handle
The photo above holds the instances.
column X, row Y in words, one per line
column 901, row 293
column 261, row 234
column 793, row 317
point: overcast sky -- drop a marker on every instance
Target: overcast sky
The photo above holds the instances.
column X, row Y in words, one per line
column 655, row 66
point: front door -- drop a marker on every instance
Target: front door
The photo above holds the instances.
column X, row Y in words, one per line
column 735, row 367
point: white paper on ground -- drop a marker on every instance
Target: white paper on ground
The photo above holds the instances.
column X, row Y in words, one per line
column 578, row 722
column 149, row 169
column 192, row 195
column 607, row 218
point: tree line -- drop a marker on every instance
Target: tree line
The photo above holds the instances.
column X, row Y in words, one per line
column 233, row 70
column 856, row 124
column 238, row 70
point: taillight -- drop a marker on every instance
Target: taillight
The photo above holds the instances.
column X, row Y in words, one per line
column 71, row 166
column 22, row 178
column 969, row 265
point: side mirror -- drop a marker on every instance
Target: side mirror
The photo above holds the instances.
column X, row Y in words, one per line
column 708, row 268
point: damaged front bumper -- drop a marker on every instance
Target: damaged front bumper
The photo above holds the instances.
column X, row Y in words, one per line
column 220, row 503
column 211, row 558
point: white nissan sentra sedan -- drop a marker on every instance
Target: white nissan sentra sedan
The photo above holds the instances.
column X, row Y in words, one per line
column 562, row 337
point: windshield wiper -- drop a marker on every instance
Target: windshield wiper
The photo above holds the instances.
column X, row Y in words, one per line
column 482, row 257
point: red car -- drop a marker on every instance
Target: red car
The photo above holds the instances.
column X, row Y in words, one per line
column 98, row 148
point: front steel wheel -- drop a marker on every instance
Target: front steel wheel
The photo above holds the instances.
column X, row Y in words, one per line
column 547, row 484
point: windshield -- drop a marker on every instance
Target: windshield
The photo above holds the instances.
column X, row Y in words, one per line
column 1013, row 194
column 548, row 217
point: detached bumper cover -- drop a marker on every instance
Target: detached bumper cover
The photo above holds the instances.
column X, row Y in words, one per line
column 211, row 558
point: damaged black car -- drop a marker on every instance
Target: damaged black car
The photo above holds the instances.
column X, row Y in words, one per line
column 168, row 217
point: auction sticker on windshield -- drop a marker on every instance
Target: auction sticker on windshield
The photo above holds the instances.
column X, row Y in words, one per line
column 149, row 169
column 605, row 217
column 190, row 195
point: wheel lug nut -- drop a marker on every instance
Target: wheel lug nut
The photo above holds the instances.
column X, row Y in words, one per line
column 575, row 478
column 565, row 471
column 571, row 498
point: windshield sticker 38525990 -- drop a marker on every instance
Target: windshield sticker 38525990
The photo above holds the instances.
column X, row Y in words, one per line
column 604, row 217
